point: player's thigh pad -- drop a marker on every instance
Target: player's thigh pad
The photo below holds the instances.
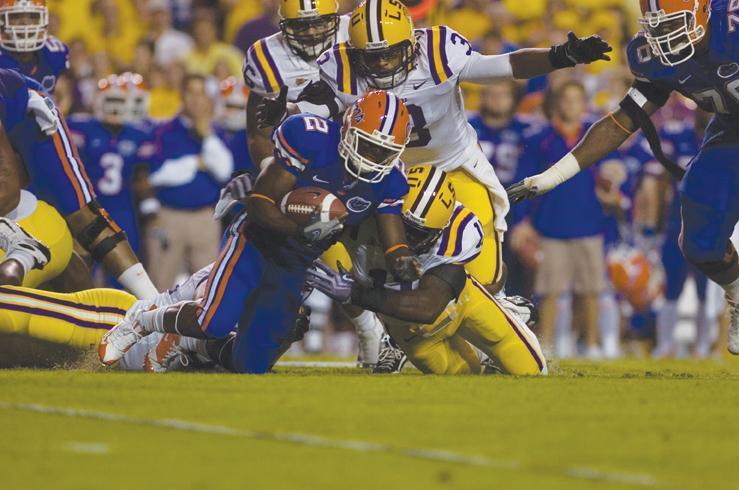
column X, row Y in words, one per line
column 486, row 267
column 710, row 203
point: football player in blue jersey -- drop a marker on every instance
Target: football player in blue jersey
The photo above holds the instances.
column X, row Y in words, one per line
column 112, row 146
column 26, row 46
column 691, row 47
column 257, row 280
column 50, row 163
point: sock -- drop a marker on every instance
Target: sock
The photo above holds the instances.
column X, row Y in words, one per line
column 706, row 330
column 153, row 320
column 137, row 282
column 666, row 320
column 732, row 291
column 366, row 323
column 610, row 320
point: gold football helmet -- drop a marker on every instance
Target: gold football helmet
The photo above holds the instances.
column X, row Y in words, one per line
column 309, row 26
column 381, row 35
column 428, row 206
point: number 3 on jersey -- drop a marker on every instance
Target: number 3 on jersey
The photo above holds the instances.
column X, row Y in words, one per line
column 111, row 182
column 420, row 135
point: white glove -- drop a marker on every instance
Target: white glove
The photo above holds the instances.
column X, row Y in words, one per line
column 43, row 110
column 336, row 285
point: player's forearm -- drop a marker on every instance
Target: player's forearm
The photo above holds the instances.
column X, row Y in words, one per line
column 260, row 145
column 410, row 306
column 602, row 138
column 530, row 63
column 264, row 211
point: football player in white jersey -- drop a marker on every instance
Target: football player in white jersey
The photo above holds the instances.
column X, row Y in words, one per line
column 288, row 59
column 438, row 319
column 425, row 67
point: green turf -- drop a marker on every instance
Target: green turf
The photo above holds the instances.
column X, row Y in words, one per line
column 674, row 422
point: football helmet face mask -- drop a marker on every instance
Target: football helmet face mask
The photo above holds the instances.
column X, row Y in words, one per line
column 231, row 105
column 428, row 206
column 23, row 25
column 674, row 27
column 375, row 131
column 383, row 42
column 309, row 26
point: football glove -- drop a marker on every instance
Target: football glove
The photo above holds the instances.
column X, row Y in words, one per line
column 317, row 230
column 272, row 110
column 579, row 50
column 42, row 110
column 407, row 268
column 524, row 189
column 237, row 189
column 337, row 285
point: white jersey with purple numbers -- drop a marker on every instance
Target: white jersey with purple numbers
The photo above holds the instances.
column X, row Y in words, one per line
column 441, row 135
column 270, row 64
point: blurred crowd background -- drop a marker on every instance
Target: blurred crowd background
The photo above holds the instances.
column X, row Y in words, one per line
column 599, row 254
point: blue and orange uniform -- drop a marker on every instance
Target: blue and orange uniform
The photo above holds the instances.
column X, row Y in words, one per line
column 52, row 163
column 710, row 77
column 45, row 65
column 110, row 155
column 258, row 277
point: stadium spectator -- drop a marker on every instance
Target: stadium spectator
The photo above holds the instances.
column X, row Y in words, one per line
column 170, row 45
column 569, row 221
column 192, row 165
column 208, row 52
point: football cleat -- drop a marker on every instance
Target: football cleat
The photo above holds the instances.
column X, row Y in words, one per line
column 161, row 354
column 119, row 339
column 524, row 308
column 391, row 359
column 733, row 342
column 15, row 240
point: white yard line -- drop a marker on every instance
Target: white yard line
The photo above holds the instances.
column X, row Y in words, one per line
column 581, row 473
column 87, row 447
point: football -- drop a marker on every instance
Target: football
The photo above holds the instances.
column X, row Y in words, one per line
column 301, row 203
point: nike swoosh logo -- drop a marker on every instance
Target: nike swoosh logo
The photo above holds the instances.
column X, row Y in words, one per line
column 320, row 181
column 417, row 86
column 685, row 79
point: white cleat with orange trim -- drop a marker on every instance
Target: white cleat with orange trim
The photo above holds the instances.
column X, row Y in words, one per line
column 116, row 342
column 160, row 355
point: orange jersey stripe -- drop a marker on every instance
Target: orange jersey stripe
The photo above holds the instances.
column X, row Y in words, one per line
column 224, row 281
column 80, row 164
column 59, row 146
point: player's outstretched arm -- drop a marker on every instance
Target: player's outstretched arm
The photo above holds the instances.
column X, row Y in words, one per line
column 258, row 138
column 530, row 63
column 399, row 258
column 603, row 137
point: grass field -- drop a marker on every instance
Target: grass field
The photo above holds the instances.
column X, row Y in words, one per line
column 632, row 424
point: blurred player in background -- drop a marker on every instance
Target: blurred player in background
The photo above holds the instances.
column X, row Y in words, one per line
column 288, row 59
column 229, row 114
column 425, row 68
column 37, row 132
column 25, row 44
column 112, row 143
column 690, row 47
column 437, row 320
column 258, row 277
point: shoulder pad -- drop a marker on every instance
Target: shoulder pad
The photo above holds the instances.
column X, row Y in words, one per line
column 448, row 52
column 261, row 73
column 461, row 240
column 302, row 139
column 336, row 69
